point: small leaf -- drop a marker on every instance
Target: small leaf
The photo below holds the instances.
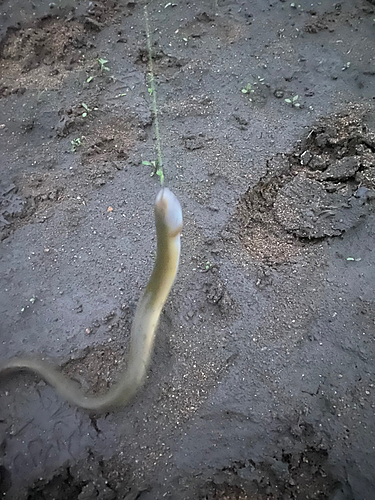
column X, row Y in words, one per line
column 350, row 258
column 288, row 101
column 106, row 68
column 185, row 39
column 84, row 114
column 89, row 79
column 150, row 90
column 102, row 61
column 244, row 91
column 145, row 162
column 160, row 174
column 85, row 106
column 295, row 98
column 297, row 105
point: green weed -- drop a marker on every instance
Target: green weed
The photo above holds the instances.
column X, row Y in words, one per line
column 103, row 63
column 156, row 169
column 248, row 89
column 252, row 88
column 293, row 102
column 75, row 143
column 87, row 109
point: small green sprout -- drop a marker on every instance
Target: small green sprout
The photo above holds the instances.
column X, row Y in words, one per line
column 248, row 89
column 156, row 169
column 87, row 109
column 32, row 300
column 120, row 95
column 354, row 259
column 253, row 88
column 208, row 265
column 103, row 63
column 89, row 79
column 150, row 90
column 293, row 102
column 346, row 66
column 160, row 174
column 75, row 143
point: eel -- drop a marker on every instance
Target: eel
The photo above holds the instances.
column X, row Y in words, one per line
column 168, row 221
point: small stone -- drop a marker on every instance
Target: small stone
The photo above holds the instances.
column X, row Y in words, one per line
column 305, row 158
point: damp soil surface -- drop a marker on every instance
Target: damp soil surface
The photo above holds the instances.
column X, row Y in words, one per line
column 262, row 380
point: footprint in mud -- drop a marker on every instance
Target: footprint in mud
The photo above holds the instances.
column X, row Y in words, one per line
column 323, row 189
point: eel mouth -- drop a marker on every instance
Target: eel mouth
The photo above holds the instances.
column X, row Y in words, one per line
column 168, row 207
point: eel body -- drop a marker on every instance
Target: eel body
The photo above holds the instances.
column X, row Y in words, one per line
column 168, row 220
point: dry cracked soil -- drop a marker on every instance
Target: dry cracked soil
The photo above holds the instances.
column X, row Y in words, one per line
column 262, row 381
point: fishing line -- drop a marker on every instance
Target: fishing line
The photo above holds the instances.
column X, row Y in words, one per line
column 152, row 91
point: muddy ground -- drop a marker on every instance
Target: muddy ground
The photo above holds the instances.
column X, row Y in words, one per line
column 262, row 380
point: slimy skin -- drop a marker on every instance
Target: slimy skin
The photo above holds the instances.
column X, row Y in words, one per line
column 168, row 219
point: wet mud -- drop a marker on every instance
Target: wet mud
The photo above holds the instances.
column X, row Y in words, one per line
column 262, row 380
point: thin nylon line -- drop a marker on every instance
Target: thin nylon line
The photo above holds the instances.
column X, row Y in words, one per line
column 160, row 166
